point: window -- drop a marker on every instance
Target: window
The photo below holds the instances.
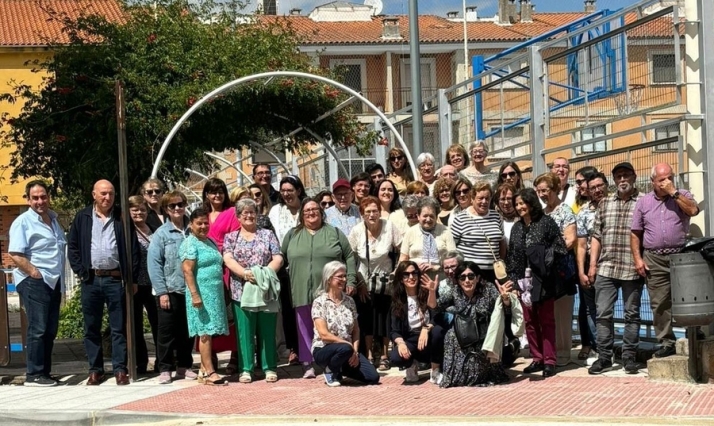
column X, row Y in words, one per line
column 428, row 81
column 353, row 74
column 663, row 68
column 591, row 133
column 665, row 132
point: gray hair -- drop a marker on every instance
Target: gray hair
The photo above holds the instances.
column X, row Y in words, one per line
column 453, row 254
column 424, row 157
column 329, row 271
column 478, row 143
column 409, row 202
column 246, row 203
column 429, row 202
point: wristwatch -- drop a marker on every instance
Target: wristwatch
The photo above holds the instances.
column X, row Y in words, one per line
column 676, row 195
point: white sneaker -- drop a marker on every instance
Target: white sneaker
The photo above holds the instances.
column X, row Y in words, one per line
column 412, row 373
column 436, row 377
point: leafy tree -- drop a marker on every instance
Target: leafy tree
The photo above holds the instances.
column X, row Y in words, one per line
column 168, row 54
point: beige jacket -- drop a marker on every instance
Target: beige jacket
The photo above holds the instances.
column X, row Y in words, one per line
column 493, row 344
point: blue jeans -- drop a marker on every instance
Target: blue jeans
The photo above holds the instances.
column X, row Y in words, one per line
column 97, row 292
column 336, row 357
column 42, row 307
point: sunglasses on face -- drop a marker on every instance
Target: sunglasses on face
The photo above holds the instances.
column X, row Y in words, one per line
column 174, row 206
column 579, row 181
column 153, row 192
column 508, row 175
column 257, row 194
column 465, row 277
column 396, row 158
column 461, row 192
column 411, row 274
column 326, row 204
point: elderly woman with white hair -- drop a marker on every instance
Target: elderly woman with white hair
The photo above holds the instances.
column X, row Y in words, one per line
column 426, row 164
column 335, row 346
column 477, row 171
column 407, row 216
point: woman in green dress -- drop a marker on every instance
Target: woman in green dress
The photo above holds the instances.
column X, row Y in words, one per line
column 202, row 266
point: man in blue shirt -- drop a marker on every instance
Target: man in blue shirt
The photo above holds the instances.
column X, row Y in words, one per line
column 343, row 215
column 37, row 246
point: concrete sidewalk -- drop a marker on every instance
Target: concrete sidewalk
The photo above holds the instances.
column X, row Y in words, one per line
column 570, row 397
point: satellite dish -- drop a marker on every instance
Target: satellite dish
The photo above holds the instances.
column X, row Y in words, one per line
column 376, row 6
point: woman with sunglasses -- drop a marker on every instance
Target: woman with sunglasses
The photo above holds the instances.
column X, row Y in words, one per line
column 475, row 298
column 581, row 185
column 374, row 243
column 416, row 339
column 325, row 199
column 173, row 345
column 256, row 193
column 536, row 232
column 443, row 189
column 399, row 171
column 461, row 192
column 510, row 173
column 152, row 190
column 478, row 171
column 429, row 241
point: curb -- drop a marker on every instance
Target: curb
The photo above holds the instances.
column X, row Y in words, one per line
column 92, row 418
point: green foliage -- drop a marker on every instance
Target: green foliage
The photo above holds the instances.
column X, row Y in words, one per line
column 167, row 57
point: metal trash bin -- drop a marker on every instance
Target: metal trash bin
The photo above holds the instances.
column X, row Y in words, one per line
column 692, row 279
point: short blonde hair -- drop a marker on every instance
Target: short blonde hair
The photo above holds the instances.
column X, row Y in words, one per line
column 238, row 193
column 551, row 179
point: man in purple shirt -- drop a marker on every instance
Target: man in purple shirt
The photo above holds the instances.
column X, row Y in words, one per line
column 660, row 224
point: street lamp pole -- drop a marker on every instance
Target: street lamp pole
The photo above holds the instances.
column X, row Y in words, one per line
column 415, row 66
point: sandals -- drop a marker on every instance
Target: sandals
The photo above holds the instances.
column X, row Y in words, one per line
column 384, row 364
column 293, row 358
column 271, row 376
column 209, row 381
column 245, row 377
column 584, row 355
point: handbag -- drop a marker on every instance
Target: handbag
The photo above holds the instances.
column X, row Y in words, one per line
column 468, row 330
column 499, row 266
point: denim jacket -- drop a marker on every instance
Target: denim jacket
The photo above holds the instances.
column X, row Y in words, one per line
column 163, row 260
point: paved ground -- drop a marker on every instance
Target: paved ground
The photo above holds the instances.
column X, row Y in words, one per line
column 571, row 397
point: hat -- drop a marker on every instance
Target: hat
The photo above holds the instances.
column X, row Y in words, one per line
column 341, row 183
column 624, row 165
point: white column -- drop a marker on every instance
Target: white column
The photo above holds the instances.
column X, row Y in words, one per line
column 389, row 104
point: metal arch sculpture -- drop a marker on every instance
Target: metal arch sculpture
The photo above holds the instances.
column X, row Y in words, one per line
column 272, row 74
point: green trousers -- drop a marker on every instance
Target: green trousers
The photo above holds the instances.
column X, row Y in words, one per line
column 252, row 327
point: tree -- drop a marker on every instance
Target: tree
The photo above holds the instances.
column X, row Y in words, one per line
column 167, row 54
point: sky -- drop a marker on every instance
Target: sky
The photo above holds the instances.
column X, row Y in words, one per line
column 486, row 8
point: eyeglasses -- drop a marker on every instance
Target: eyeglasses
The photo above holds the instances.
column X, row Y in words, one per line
column 508, row 174
column 313, row 210
column 465, row 277
column 596, row 187
column 248, row 214
column 263, row 174
column 412, row 216
column 153, row 192
column 396, row 158
column 425, row 165
column 174, row 206
column 216, row 193
column 411, row 274
column 326, row 204
column 579, row 181
column 461, row 192
column 287, row 191
column 341, row 195
column 478, row 152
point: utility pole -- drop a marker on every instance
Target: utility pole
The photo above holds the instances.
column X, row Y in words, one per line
column 415, row 65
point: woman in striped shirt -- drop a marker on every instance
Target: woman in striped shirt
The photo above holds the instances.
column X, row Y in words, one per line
column 478, row 231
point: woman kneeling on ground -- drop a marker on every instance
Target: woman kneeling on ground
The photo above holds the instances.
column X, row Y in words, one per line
column 416, row 338
column 335, row 346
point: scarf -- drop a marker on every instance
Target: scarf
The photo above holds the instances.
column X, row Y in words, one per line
column 431, row 254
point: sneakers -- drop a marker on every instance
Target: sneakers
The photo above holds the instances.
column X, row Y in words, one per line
column 630, row 365
column 412, row 373
column 600, row 366
column 185, row 373
column 665, row 351
column 436, row 377
column 309, row 371
column 165, row 378
column 330, row 379
column 40, row 381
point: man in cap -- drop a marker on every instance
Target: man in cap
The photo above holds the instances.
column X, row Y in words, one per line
column 343, row 215
column 612, row 268
column 660, row 224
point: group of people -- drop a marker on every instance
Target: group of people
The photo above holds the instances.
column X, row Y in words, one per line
column 442, row 268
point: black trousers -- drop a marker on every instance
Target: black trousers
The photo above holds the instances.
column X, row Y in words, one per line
column 143, row 299
column 172, row 335
column 286, row 306
column 433, row 352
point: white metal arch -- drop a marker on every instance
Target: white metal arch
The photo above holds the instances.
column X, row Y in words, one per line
column 272, row 74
